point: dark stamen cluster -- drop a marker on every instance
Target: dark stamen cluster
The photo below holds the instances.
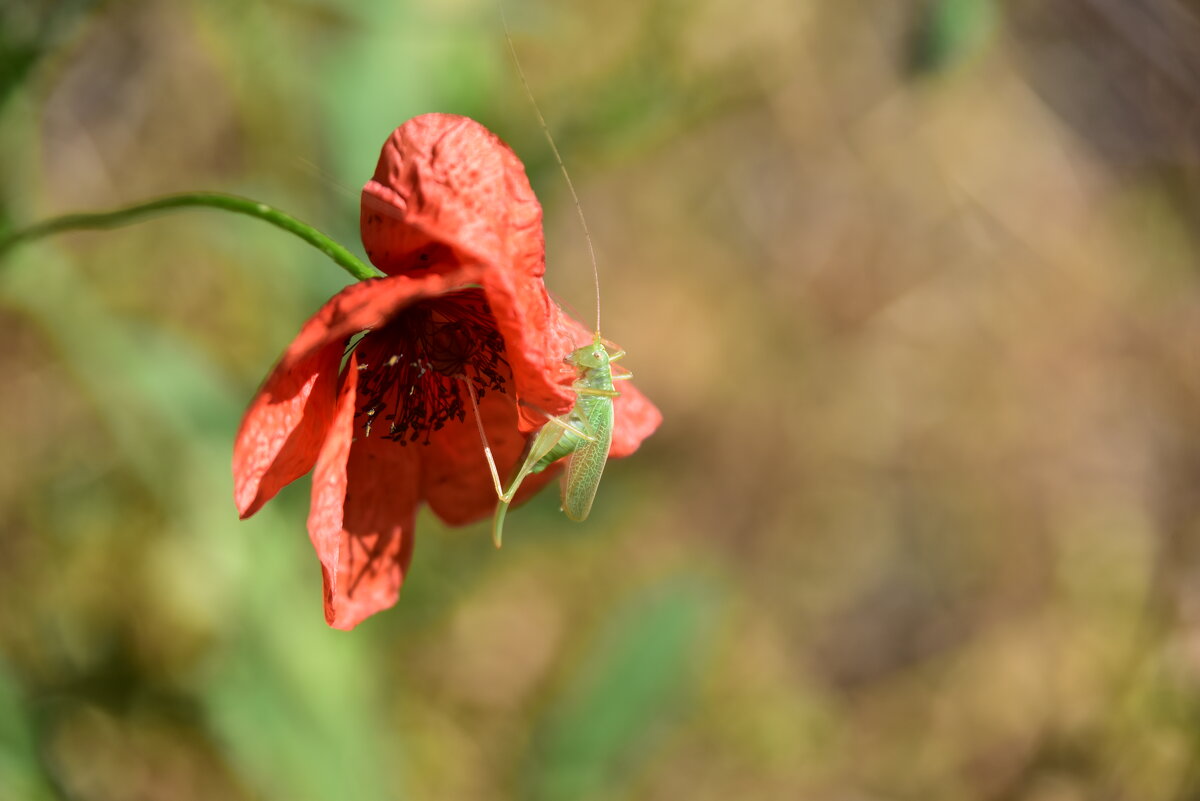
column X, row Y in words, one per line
column 411, row 371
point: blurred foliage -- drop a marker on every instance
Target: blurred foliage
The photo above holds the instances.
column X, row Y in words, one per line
column 914, row 284
column 951, row 30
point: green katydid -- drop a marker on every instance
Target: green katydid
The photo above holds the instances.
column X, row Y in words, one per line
column 584, row 434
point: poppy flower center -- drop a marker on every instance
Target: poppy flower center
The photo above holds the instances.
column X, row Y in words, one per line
column 411, row 371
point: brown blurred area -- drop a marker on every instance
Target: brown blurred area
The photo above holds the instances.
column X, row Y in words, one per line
column 914, row 283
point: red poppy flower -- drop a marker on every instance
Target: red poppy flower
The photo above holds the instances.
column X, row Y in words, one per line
column 384, row 421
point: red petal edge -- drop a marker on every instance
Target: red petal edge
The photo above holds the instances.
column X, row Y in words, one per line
column 282, row 430
column 362, row 517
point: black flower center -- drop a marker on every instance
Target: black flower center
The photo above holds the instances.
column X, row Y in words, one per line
column 412, row 371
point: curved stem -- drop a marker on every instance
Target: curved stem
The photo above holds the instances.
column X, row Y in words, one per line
column 214, row 200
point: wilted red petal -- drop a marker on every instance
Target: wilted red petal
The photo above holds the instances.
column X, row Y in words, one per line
column 362, row 517
column 537, row 336
column 455, row 478
column 282, row 431
column 447, row 179
column 448, row 192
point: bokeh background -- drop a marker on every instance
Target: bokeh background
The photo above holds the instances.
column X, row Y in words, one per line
column 914, row 283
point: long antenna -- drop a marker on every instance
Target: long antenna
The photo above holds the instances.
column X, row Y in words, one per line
column 587, row 235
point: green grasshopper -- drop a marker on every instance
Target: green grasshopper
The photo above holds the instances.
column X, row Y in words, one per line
column 583, row 435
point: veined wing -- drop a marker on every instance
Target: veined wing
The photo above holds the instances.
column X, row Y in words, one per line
column 586, row 464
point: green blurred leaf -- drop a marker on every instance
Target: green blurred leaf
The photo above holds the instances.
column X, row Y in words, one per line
column 276, row 687
column 28, row 32
column 20, row 772
column 951, row 31
column 401, row 60
column 634, row 675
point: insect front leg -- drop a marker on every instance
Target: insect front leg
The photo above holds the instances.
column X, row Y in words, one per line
column 614, row 350
column 625, row 376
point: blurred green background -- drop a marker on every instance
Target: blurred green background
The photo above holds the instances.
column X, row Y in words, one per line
column 914, row 283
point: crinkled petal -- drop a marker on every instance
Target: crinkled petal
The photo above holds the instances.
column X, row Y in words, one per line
column 446, row 193
column 446, row 180
column 537, row 340
column 282, row 431
column 455, row 478
column 362, row 517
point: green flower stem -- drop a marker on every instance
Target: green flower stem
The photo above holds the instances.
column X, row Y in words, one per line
column 213, row 200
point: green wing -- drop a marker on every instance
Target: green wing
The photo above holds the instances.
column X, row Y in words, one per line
column 586, row 464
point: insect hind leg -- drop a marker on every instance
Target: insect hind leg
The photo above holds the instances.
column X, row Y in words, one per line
column 547, row 438
column 487, row 449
